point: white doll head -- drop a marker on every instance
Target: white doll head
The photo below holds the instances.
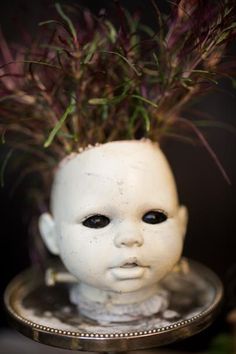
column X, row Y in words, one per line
column 116, row 222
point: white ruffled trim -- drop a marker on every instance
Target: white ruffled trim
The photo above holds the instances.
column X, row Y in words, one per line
column 108, row 312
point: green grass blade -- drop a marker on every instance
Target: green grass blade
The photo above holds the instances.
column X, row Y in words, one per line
column 67, row 20
column 99, row 101
column 124, row 59
column 56, row 129
column 146, row 119
column 91, row 50
column 141, row 98
column 43, row 23
column 112, row 31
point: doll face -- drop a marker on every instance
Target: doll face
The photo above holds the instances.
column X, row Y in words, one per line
column 117, row 222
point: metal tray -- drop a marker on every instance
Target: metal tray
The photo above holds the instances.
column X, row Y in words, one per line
column 46, row 315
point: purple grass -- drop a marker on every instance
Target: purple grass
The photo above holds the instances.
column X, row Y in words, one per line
column 86, row 80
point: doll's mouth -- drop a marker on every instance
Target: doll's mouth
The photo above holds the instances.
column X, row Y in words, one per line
column 129, row 265
column 131, row 269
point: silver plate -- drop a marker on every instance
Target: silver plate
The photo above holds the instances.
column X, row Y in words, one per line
column 46, row 315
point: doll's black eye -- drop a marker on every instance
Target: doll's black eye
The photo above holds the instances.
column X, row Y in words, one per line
column 154, row 217
column 96, row 221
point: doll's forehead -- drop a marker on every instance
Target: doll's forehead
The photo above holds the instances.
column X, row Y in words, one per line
column 129, row 173
column 116, row 157
column 117, row 161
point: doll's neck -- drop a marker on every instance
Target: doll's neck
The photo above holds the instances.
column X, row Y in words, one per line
column 109, row 307
column 104, row 296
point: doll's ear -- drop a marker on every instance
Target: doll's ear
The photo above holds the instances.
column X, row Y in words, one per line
column 48, row 232
column 183, row 219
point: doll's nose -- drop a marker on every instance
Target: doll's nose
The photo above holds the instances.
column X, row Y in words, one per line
column 129, row 237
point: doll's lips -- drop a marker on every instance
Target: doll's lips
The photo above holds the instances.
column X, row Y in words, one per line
column 130, row 269
column 131, row 263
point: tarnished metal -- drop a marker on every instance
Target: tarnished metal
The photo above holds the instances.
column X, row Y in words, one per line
column 46, row 315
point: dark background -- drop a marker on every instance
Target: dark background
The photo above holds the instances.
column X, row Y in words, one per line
column 211, row 237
